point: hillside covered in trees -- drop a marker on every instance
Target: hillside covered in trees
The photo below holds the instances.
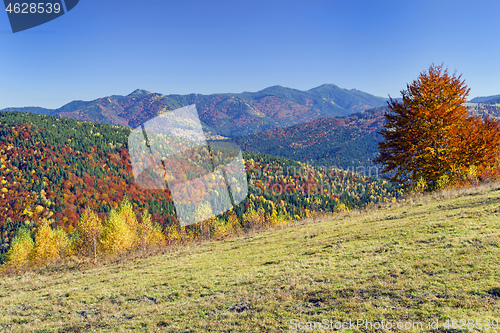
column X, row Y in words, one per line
column 344, row 142
column 55, row 168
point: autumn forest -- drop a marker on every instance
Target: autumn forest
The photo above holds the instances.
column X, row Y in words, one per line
column 67, row 185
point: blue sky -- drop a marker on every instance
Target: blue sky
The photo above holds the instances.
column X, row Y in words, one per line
column 106, row 47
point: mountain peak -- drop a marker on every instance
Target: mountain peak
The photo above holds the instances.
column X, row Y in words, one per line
column 139, row 92
column 323, row 86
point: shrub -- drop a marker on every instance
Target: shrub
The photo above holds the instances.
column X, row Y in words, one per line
column 253, row 219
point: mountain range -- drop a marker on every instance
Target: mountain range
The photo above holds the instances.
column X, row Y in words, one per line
column 326, row 125
column 228, row 115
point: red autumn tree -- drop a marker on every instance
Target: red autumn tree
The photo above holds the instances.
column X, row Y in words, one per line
column 430, row 139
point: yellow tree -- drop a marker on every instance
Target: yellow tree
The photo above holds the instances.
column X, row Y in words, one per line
column 233, row 223
column 175, row 234
column 89, row 228
column 46, row 246
column 62, row 241
column 255, row 219
column 116, row 237
column 150, row 234
column 127, row 214
column 20, row 249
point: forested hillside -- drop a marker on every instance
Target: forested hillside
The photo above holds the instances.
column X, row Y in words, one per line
column 56, row 167
column 348, row 142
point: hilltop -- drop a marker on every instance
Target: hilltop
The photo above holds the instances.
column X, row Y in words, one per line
column 416, row 261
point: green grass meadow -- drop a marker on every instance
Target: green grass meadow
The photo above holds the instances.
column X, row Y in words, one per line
column 429, row 258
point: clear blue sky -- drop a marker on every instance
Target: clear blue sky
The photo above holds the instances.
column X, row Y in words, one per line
column 105, row 47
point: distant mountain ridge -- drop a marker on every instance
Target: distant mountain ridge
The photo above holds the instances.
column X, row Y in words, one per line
column 494, row 99
column 226, row 114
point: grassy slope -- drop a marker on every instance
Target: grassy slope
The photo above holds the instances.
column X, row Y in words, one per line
column 432, row 258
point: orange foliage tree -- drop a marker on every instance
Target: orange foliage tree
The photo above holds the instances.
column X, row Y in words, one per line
column 430, row 140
